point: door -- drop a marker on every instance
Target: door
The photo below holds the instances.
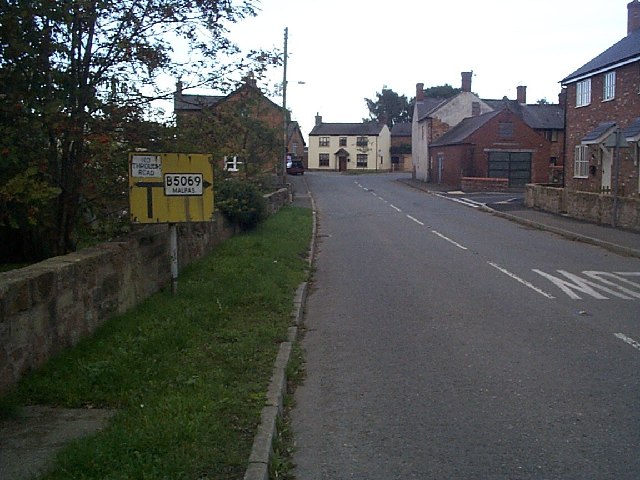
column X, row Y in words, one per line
column 607, row 163
column 515, row 166
column 342, row 163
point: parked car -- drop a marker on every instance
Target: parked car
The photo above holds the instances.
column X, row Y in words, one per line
column 295, row 167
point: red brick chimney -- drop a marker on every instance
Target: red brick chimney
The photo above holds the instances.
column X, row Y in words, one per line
column 466, row 81
column 633, row 17
column 522, row 94
column 419, row 92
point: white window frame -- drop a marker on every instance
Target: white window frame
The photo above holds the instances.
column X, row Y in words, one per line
column 609, row 86
column 362, row 160
column 581, row 162
column 583, row 93
column 231, row 165
column 324, row 141
column 323, row 158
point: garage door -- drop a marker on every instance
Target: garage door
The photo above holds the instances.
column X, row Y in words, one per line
column 516, row 166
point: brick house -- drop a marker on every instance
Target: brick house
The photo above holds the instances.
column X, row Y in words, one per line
column 498, row 144
column 401, row 159
column 603, row 97
column 345, row 147
column 432, row 117
column 251, row 125
column 295, row 143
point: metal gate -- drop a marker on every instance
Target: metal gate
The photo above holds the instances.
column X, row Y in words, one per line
column 516, row 166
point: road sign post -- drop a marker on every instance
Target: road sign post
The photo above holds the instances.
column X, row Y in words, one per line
column 171, row 188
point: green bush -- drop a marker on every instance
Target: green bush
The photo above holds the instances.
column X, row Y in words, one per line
column 241, row 202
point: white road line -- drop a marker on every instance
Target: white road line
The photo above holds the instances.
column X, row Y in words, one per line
column 473, row 202
column 395, row 208
column 628, row 340
column 453, row 242
column 467, row 203
column 415, row 220
column 522, row 281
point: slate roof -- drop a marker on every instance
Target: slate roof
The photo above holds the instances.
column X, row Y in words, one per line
column 401, row 130
column 195, row 102
column 458, row 134
column 548, row 116
column 626, row 50
column 428, row 105
column 598, row 134
column 347, row 129
column 632, row 132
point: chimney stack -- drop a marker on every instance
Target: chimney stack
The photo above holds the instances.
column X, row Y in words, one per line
column 419, row 92
column 562, row 97
column 522, row 94
column 466, row 81
column 318, row 119
column 633, row 17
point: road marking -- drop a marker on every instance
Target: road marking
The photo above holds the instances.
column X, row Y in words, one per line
column 457, row 200
column 473, row 202
column 628, row 340
column 522, row 281
column 453, row 242
column 586, row 286
column 415, row 220
column 395, row 208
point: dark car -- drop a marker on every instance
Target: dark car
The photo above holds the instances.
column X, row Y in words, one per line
column 295, row 167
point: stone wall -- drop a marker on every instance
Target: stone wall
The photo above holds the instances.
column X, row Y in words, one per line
column 51, row 305
column 592, row 207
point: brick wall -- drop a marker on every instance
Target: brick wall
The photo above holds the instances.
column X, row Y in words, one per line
column 51, row 305
column 478, row 184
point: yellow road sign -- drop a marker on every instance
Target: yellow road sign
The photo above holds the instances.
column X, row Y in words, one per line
column 170, row 187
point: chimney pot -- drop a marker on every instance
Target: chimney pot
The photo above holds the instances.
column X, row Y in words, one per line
column 633, row 17
column 318, row 119
column 466, row 81
column 522, row 94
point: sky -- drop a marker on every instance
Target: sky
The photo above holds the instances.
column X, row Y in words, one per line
column 347, row 50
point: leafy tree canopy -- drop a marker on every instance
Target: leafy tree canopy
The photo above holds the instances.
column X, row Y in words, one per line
column 441, row 91
column 388, row 107
column 76, row 76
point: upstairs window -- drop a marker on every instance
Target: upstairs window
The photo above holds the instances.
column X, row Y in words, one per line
column 362, row 141
column 583, row 93
column 609, row 92
column 324, row 141
column 343, row 141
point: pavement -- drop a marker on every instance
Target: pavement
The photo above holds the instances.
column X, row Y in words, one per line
column 623, row 242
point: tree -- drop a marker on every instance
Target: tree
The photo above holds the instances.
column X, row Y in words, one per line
column 389, row 107
column 73, row 73
column 441, row 91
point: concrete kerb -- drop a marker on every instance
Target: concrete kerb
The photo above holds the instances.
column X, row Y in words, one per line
column 612, row 247
column 262, row 449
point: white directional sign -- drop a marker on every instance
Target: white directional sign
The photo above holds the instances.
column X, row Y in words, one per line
column 183, row 184
column 146, row 166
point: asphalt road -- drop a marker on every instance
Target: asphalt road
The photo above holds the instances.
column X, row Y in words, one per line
column 443, row 342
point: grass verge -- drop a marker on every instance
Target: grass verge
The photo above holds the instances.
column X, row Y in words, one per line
column 187, row 374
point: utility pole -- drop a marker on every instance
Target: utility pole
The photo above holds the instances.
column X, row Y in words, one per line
column 283, row 166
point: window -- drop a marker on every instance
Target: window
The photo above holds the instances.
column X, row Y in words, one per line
column 505, row 129
column 583, row 93
column 343, row 141
column 231, row 164
column 581, row 162
column 362, row 141
column 362, row 159
column 294, row 148
column 609, row 91
column 324, row 160
column 551, row 135
column 324, row 141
